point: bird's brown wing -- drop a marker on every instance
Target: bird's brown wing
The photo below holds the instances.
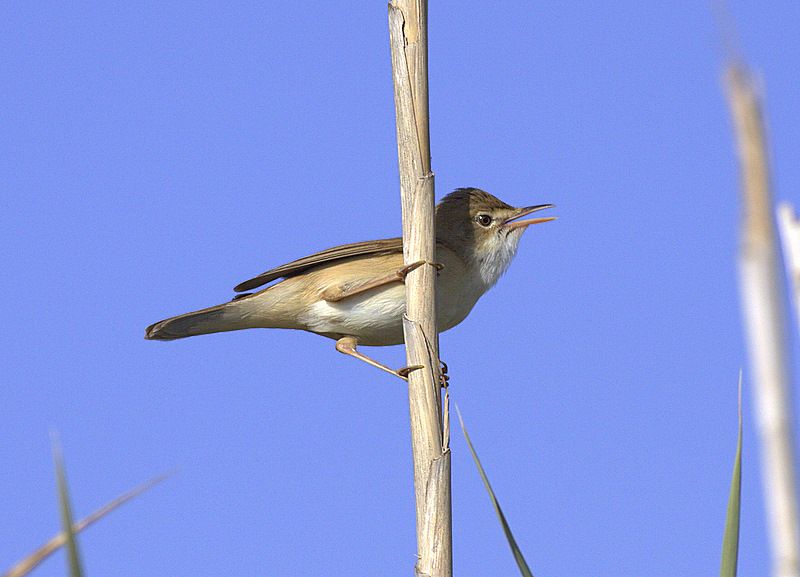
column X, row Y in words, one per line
column 384, row 246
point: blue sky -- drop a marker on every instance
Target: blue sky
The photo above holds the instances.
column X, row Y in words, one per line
column 156, row 154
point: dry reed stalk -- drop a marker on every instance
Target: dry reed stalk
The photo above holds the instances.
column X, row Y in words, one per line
column 430, row 434
column 763, row 303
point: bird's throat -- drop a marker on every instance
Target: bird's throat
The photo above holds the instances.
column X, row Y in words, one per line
column 495, row 255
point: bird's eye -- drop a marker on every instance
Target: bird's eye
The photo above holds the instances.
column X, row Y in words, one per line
column 483, row 219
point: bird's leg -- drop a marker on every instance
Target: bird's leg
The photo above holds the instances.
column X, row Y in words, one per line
column 348, row 346
column 336, row 294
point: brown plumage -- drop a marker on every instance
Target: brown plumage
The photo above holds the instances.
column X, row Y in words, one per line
column 355, row 291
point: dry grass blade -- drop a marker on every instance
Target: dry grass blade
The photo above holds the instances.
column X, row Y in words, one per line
column 29, row 563
column 730, row 542
column 515, row 550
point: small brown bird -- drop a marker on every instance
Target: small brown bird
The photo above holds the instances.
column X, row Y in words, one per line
column 354, row 293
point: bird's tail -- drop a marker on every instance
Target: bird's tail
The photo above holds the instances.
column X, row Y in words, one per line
column 229, row 316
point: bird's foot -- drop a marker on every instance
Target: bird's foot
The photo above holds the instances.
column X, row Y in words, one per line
column 444, row 378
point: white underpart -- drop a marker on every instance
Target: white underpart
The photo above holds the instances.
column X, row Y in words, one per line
column 501, row 250
column 374, row 316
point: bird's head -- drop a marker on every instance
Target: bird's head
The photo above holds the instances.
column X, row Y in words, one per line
column 482, row 229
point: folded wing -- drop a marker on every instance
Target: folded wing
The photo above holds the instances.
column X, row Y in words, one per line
column 369, row 247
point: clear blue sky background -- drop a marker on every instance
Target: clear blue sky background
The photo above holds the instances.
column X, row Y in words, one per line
column 156, row 154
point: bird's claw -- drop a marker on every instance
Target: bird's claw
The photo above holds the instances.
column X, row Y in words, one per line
column 403, row 272
column 444, row 378
column 405, row 371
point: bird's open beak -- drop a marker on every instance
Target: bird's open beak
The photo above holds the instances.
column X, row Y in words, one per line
column 512, row 223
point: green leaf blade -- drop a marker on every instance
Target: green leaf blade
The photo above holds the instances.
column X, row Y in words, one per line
column 73, row 557
column 512, row 542
column 730, row 542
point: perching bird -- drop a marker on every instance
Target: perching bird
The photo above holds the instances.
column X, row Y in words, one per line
column 354, row 293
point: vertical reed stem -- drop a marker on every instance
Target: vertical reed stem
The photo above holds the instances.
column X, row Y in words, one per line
column 408, row 32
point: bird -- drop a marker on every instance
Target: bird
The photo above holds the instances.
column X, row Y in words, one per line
column 354, row 293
